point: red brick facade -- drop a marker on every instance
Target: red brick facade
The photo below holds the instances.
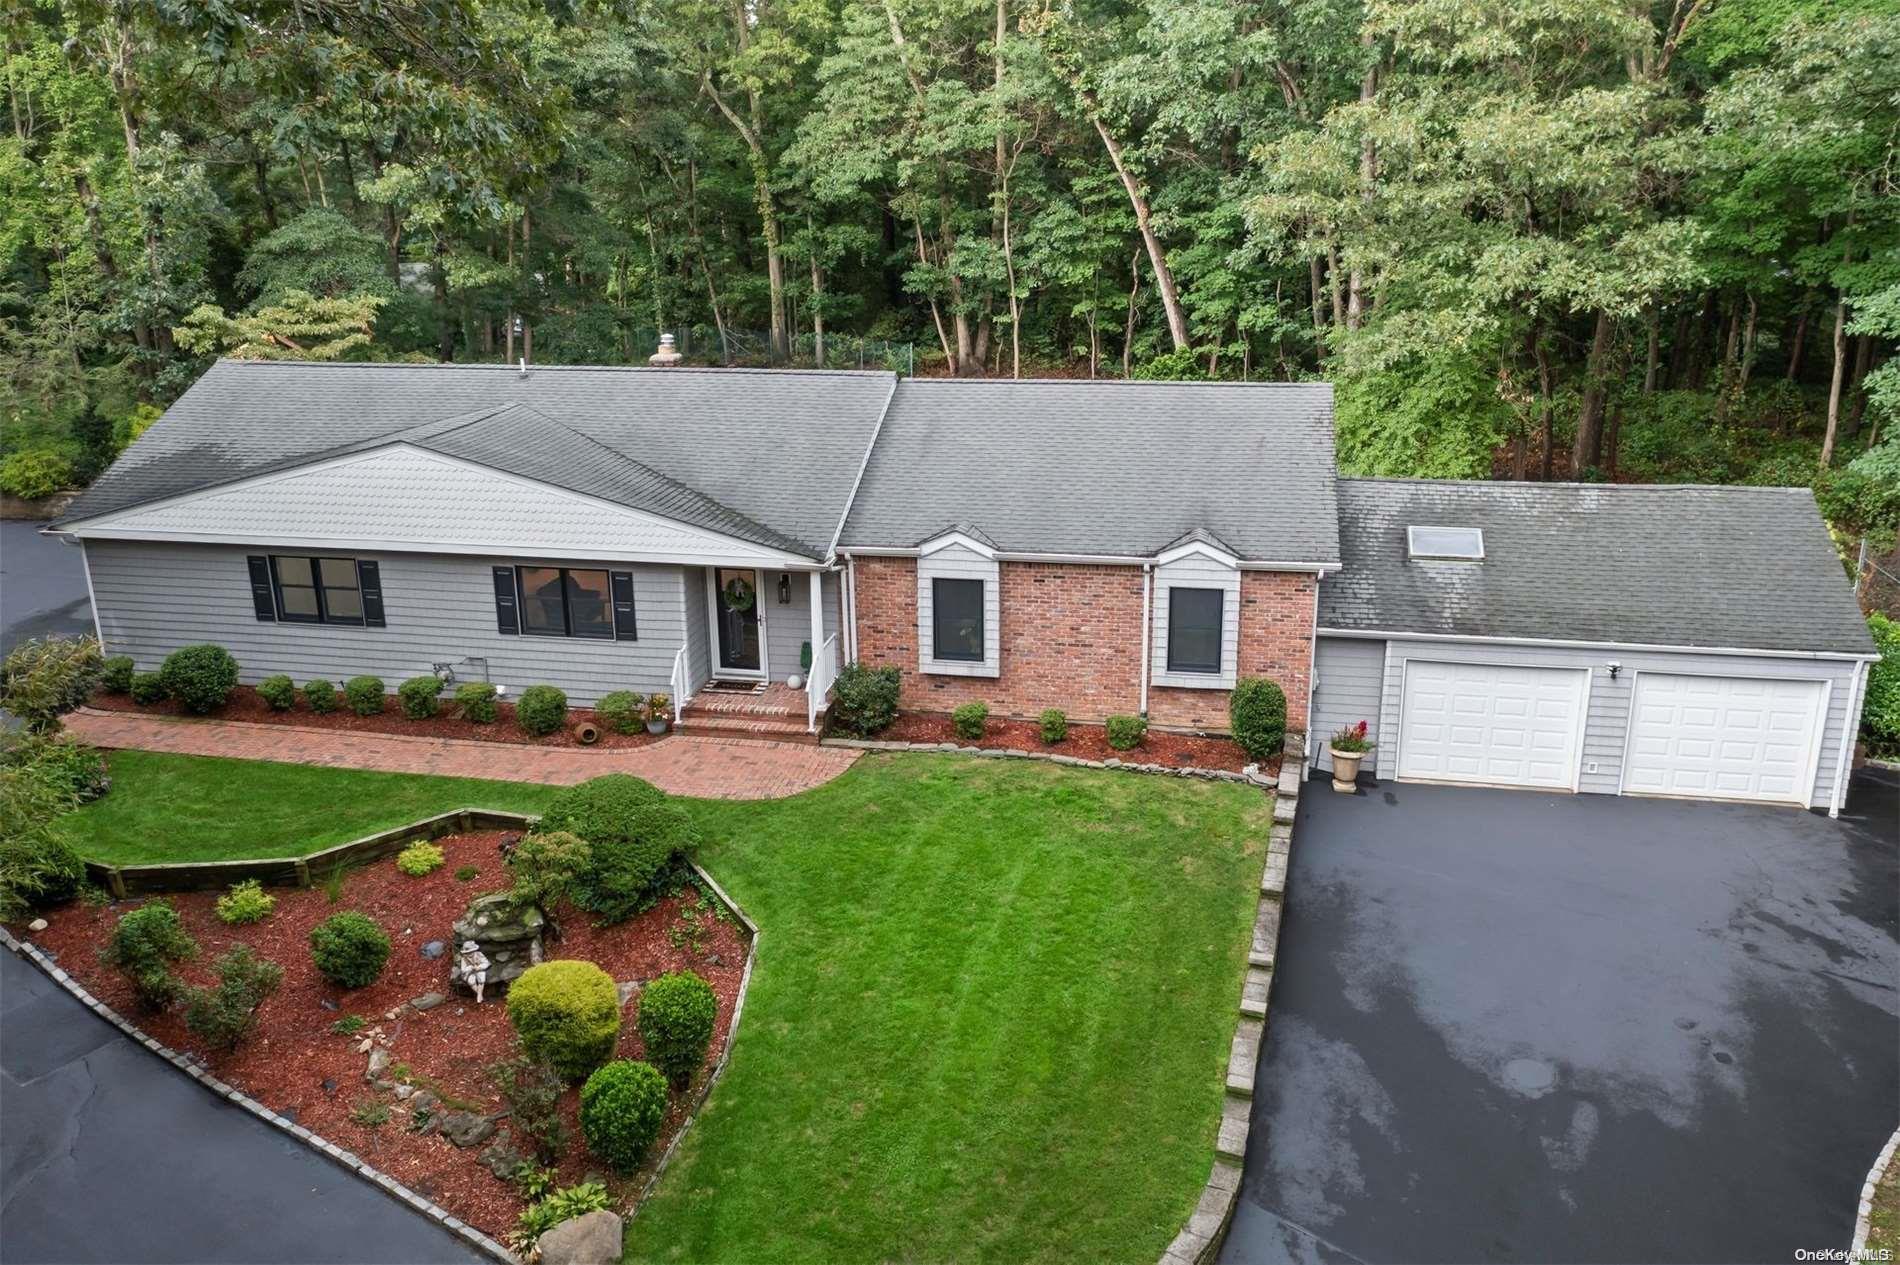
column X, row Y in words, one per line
column 1071, row 638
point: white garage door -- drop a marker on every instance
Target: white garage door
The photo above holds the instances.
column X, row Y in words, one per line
column 1723, row 737
column 1496, row 725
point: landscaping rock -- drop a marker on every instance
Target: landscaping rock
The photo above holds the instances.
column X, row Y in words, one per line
column 501, row 1158
column 362, row 1047
column 465, row 1128
column 434, row 948
column 593, row 1239
column 629, row 989
column 428, row 1001
column 326, row 1003
column 423, row 1101
column 378, row 1064
column 329, row 1084
column 403, row 1092
column 508, row 935
column 38, row 924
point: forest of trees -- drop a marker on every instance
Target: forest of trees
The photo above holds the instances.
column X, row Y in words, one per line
column 1596, row 239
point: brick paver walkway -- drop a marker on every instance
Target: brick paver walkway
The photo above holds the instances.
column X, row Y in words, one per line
column 711, row 768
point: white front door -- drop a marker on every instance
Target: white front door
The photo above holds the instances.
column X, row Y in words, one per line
column 1492, row 724
column 1724, row 737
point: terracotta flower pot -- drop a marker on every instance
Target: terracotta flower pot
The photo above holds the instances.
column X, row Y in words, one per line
column 1346, row 769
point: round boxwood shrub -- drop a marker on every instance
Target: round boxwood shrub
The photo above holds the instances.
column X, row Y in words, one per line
column 542, row 710
column 147, row 688
column 621, row 711
column 418, row 696
column 633, row 833
column 1256, row 712
column 567, row 1014
column 115, row 674
column 364, row 694
column 476, row 701
column 864, row 701
column 1055, row 725
column 279, row 692
column 144, row 945
column 350, row 949
column 622, row 1107
column 677, row 1013
column 201, row 677
column 969, row 720
column 419, row 859
column 1126, row 732
column 321, row 695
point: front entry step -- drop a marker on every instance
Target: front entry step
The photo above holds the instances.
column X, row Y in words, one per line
column 715, row 724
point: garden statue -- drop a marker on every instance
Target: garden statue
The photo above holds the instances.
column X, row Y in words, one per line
column 500, row 937
column 471, row 967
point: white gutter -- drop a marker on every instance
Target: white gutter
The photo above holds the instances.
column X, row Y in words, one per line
column 1383, row 634
column 1147, row 627
column 877, row 428
column 1093, row 559
column 851, row 599
column 1844, row 763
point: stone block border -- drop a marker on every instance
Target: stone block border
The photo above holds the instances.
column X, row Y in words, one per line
column 1863, row 1221
column 1251, row 775
column 188, row 876
column 1199, row 1241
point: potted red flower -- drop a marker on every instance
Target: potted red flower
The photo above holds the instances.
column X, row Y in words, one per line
column 1349, row 747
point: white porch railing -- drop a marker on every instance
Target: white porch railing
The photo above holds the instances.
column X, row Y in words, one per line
column 824, row 674
column 678, row 683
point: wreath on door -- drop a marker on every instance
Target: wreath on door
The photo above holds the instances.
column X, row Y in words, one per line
column 739, row 594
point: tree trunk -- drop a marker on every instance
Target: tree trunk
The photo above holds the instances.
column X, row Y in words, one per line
column 1748, row 345
column 817, row 299
column 1613, row 441
column 1863, row 360
column 1548, row 406
column 445, row 319
column 527, row 262
column 1654, row 361
column 1796, row 341
column 1314, row 284
column 1587, row 451
column 1157, row 260
column 508, row 229
column 1834, row 383
column 1128, row 328
column 260, row 176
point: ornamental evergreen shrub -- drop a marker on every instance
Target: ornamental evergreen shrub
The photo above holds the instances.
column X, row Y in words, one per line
column 476, row 701
column 621, row 711
column 278, row 692
column 246, row 902
column 77, row 772
column 1256, row 712
column 35, row 473
column 115, row 674
column 1880, row 714
column 864, row 700
column 43, row 679
column 364, row 694
column 144, row 945
column 677, row 1013
column 622, row 1107
column 200, row 677
column 542, row 710
column 349, row 949
column 419, row 859
column 1055, row 725
column 321, row 695
column 567, row 1014
column 147, row 688
column 1126, row 732
column 633, row 833
column 419, row 695
column 225, row 1015
column 969, row 720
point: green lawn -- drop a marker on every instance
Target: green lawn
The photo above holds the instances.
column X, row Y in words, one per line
column 197, row 808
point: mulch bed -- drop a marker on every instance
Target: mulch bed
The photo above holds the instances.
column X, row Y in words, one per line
column 245, row 705
column 1085, row 742
column 294, row 1064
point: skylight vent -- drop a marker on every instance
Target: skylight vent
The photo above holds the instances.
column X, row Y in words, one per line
column 1445, row 544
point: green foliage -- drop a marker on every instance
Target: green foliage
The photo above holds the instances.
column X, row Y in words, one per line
column 677, row 1013
column 146, row 943
column 548, row 866
column 1436, row 415
column 371, row 1113
column 321, row 695
column 622, row 1108
column 246, row 902
column 1184, row 365
column 633, row 833
column 969, row 720
column 364, row 694
column 1880, row 714
column 1350, row 738
column 43, row 679
column 34, row 474
column 349, row 949
column 147, row 688
column 1863, row 499
column 349, row 1025
column 1126, row 732
column 418, row 696
column 563, row 1205
column 1054, row 724
column 77, row 771
column 115, row 674
column 1256, row 714
column 475, row 700
column 199, row 678
column 278, row 692
column 38, row 865
column 465, row 873
column 419, row 859
column 225, row 1015
column 864, row 701
column 621, row 711
column 320, row 253
column 295, row 325
column 567, row 1014
column 533, row 1093
column 542, row 710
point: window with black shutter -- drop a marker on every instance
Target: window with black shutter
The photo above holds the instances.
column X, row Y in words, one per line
column 263, row 597
column 570, row 602
column 507, row 609
column 1194, row 629
column 321, row 590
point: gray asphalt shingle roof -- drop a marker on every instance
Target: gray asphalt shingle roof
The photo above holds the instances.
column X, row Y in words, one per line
column 1731, row 567
column 1104, row 467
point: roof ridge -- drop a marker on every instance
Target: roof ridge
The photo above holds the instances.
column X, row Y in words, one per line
column 1116, row 382
column 410, row 366
column 1528, row 485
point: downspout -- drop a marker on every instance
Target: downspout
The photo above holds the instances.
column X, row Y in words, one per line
column 1147, row 628
column 851, row 600
column 1843, row 764
column 92, row 599
column 1312, row 677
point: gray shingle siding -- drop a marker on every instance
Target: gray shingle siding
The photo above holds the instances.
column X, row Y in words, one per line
column 788, row 628
column 1347, row 679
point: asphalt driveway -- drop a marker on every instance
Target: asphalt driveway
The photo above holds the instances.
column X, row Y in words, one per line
column 1510, row 1026
column 42, row 586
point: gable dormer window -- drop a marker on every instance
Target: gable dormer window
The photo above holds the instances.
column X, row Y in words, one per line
column 1444, row 544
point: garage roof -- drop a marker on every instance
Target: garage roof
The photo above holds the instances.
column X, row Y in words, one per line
column 1693, row 566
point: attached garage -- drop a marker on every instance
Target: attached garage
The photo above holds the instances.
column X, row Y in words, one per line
column 1695, row 642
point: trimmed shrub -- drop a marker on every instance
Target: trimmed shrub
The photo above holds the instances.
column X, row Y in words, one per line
column 77, row 773
column 349, row 949
column 622, row 1108
column 419, row 695
column 278, row 692
column 1126, row 732
column 621, row 711
column 969, row 720
column 677, row 1013
column 199, row 677
column 115, row 674
column 547, row 867
column 1256, row 712
column 364, row 694
column 1055, row 725
column 144, row 945
column 47, row 677
column 567, row 1015
column 1880, row 714
column 419, row 859
column 225, row 1015
column 864, row 700
column 533, row 1093
column 246, row 902
column 147, row 688
column 476, row 702
column 542, row 710
column 633, row 834
column 38, row 865
column 35, row 473
column 321, row 695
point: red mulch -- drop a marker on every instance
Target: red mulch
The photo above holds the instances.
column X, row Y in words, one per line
column 287, row 1060
column 1085, row 742
column 245, row 705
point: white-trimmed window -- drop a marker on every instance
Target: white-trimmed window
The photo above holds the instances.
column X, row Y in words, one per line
column 1196, row 619
column 959, row 608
